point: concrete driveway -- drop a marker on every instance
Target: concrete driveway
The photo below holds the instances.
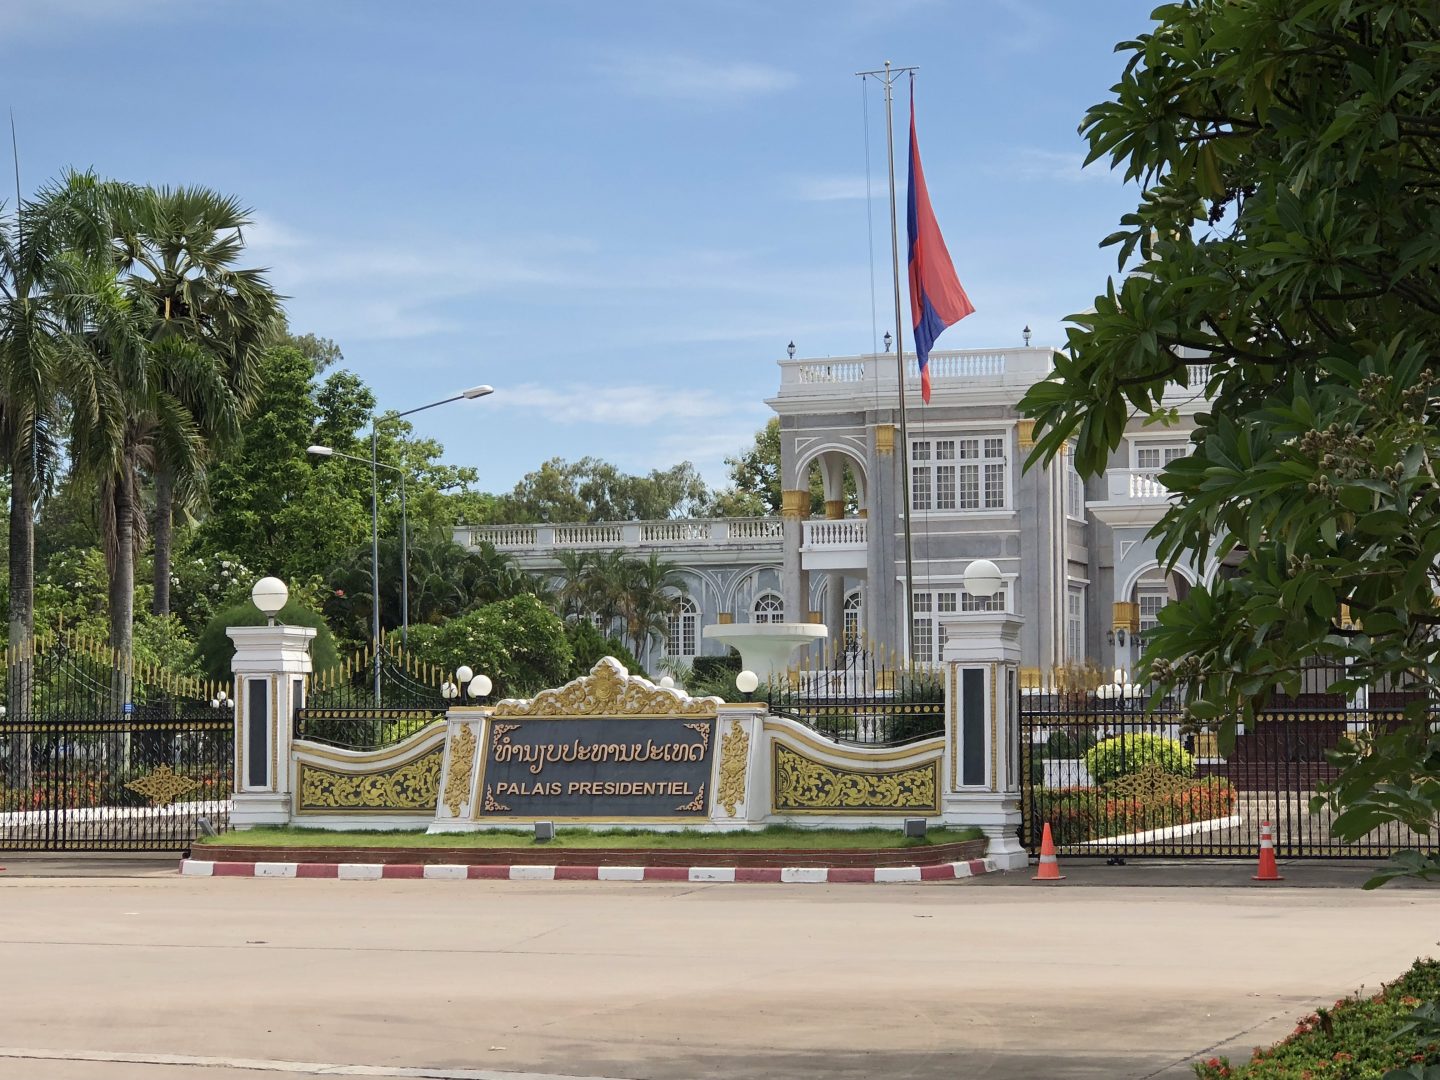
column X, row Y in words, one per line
column 157, row 976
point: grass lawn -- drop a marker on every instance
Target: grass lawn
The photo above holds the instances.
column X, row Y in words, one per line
column 773, row 836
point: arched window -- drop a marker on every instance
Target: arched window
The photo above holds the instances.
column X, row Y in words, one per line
column 852, row 617
column 681, row 639
column 768, row 608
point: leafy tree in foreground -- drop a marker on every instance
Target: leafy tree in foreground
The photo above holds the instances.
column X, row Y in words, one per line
column 1288, row 232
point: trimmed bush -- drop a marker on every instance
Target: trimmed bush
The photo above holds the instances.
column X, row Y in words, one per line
column 217, row 650
column 1080, row 814
column 1069, row 742
column 1122, row 755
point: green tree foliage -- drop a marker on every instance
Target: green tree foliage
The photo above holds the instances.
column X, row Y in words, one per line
column 271, row 505
column 594, row 490
column 1288, row 158
column 519, row 643
column 216, row 650
column 589, row 646
column 755, row 481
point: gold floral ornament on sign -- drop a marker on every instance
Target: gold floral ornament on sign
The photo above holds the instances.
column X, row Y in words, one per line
column 609, row 690
column 457, row 780
column 163, row 786
column 735, row 755
column 805, row 785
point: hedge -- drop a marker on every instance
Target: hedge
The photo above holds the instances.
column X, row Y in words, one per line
column 1078, row 814
column 1122, row 755
column 1356, row 1039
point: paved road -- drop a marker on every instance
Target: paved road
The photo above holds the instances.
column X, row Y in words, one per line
column 156, row 976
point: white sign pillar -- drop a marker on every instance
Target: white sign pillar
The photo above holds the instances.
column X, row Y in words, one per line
column 270, row 666
column 982, row 730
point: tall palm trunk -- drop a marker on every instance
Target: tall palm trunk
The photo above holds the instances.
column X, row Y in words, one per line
column 164, row 529
column 22, row 626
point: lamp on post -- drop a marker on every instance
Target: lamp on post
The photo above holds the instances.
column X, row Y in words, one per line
column 791, row 350
column 888, row 341
column 982, row 579
column 1026, row 334
column 269, row 595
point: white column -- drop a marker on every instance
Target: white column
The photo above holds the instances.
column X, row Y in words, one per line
column 270, row 666
column 982, row 730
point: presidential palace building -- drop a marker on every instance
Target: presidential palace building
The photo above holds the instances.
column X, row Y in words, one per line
column 1074, row 554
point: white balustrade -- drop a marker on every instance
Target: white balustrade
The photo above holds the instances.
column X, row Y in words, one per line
column 504, row 536
column 696, row 532
column 830, row 371
column 967, row 365
column 588, row 535
column 846, row 533
column 755, row 528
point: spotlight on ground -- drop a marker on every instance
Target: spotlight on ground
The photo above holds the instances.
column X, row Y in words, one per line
column 203, row 824
column 915, row 828
column 544, row 832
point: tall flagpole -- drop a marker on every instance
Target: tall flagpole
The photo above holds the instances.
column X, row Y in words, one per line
column 887, row 78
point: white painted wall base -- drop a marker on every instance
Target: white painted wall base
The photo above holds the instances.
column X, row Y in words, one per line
column 259, row 808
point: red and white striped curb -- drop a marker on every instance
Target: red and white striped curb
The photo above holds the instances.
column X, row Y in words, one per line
column 807, row 875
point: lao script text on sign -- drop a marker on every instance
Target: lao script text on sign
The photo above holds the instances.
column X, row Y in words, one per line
column 597, row 767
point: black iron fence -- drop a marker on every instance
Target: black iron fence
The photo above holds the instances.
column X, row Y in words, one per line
column 860, row 696
column 99, row 755
column 343, row 708
column 1116, row 777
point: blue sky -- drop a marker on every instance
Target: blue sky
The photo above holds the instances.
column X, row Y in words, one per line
column 616, row 213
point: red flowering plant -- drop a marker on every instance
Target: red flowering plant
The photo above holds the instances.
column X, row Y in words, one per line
column 1359, row 1038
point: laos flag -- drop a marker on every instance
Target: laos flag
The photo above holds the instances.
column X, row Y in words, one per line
column 937, row 299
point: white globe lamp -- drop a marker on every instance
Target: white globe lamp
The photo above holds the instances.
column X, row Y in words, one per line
column 746, row 682
column 269, row 595
column 982, row 579
column 480, row 686
column 463, row 675
column 667, row 682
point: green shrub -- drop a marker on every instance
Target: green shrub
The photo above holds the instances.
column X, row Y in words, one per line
column 1070, row 742
column 589, row 645
column 1122, row 755
column 216, row 650
column 1358, row 1038
column 518, row 642
column 1076, row 815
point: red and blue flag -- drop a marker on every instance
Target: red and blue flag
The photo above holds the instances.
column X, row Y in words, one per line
column 937, row 299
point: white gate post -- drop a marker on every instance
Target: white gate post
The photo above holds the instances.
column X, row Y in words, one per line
column 270, row 666
column 982, row 730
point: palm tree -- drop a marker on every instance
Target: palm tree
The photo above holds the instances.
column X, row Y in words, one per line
column 209, row 322
column 57, row 298
column 57, row 301
column 572, row 593
column 653, row 588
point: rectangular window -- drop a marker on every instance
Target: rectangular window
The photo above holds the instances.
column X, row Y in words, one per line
column 1075, row 624
column 958, row 474
column 1154, row 458
column 1150, row 602
column 1074, row 490
column 933, row 608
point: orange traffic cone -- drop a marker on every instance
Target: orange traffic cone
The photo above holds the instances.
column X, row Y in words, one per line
column 1049, row 869
column 1268, row 870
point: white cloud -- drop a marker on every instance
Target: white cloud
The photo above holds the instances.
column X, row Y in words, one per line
column 623, row 406
column 836, row 188
column 1032, row 163
column 691, row 78
column 40, row 18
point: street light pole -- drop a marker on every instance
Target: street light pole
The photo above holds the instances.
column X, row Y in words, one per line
column 375, row 466
column 464, row 395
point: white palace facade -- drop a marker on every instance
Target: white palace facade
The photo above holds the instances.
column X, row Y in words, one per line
column 1075, row 556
